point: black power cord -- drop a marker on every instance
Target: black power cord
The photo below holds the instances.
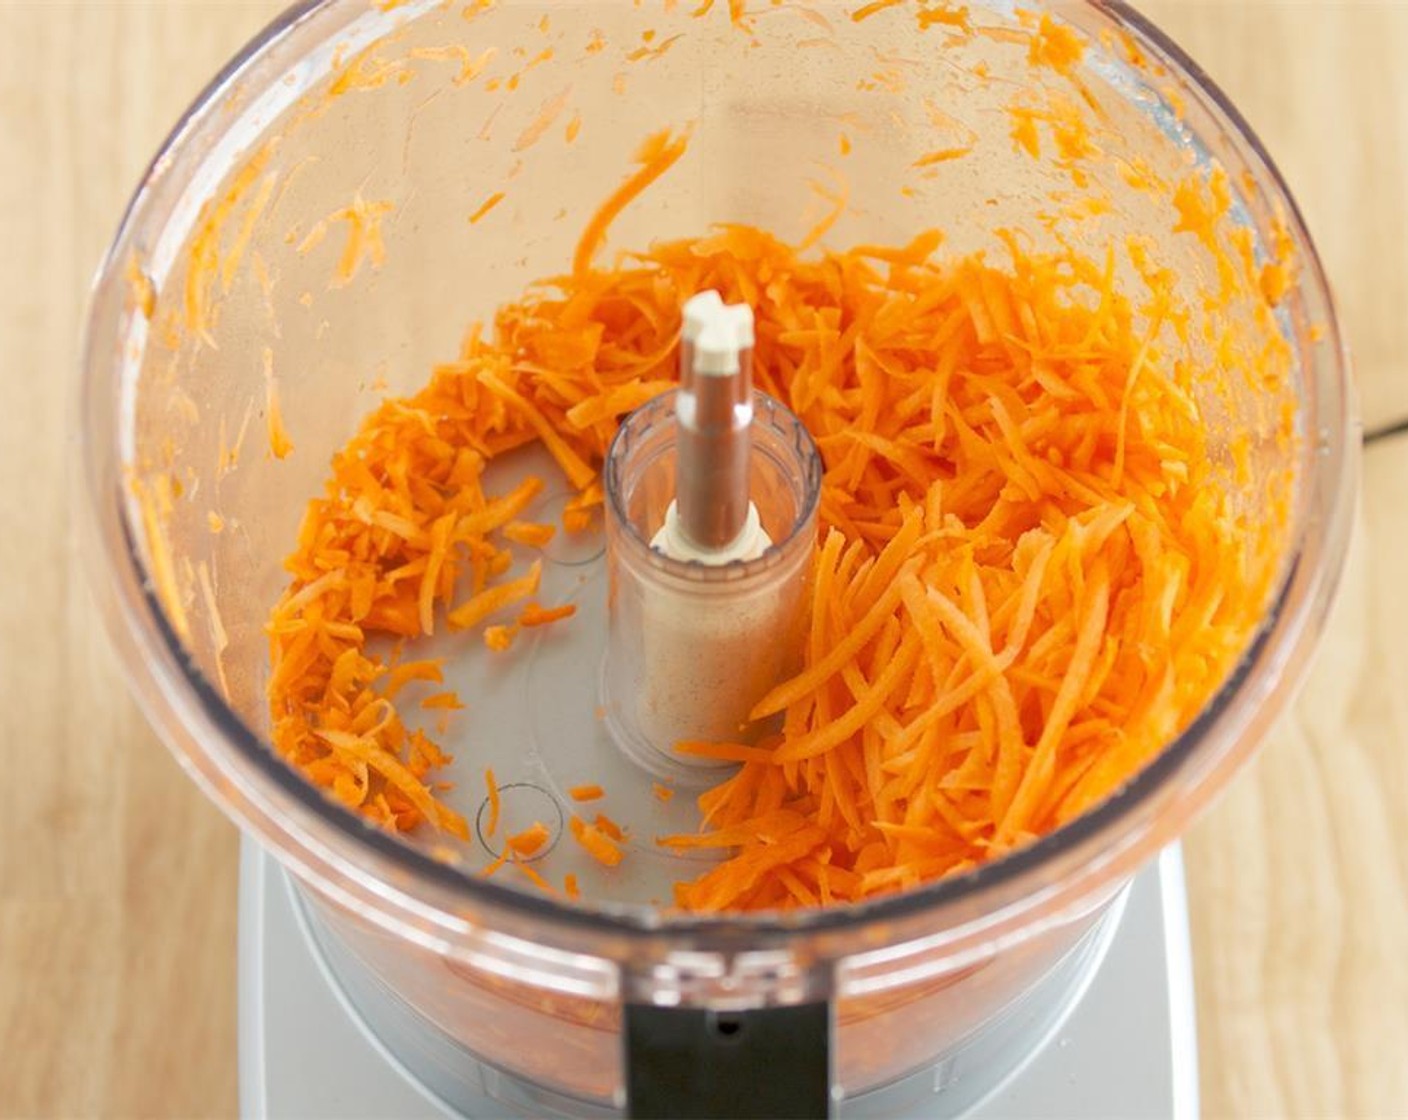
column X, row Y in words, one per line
column 1388, row 431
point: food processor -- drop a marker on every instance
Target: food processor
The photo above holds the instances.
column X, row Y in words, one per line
column 366, row 180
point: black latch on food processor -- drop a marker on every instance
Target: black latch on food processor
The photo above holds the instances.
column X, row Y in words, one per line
column 689, row 1062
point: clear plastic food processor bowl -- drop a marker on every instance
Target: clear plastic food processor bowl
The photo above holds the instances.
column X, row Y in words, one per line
column 320, row 230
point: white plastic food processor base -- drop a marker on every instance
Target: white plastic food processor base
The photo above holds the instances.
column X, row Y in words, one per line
column 1122, row 1046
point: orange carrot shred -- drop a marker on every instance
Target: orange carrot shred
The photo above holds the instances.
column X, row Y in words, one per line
column 530, row 840
column 492, row 824
column 484, row 207
column 870, row 9
column 481, row 606
column 532, row 875
column 535, row 615
column 596, row 843
column 586, row 793
column 499, row 638
column 656, row 156
column 529, row 533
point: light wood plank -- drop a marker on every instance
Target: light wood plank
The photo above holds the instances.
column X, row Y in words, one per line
column 1299, row 879
column 117, row 879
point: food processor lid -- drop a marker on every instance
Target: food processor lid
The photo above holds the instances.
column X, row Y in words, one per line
column 330, row 844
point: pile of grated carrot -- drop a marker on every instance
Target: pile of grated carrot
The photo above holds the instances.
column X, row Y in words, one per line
column 1028, row 579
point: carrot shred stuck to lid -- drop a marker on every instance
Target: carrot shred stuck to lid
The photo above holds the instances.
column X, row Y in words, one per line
column 586, row 793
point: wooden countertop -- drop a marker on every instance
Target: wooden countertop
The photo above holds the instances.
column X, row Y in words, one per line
column 117, row 880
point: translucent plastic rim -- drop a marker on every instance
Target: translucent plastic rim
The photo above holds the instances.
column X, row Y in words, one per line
column 1000, row 892
column 688, row 572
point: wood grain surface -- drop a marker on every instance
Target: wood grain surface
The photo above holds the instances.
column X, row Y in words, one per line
column 117, row 881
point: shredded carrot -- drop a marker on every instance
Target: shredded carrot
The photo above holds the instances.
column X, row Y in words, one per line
column 532, row 875
column 500, row 638
column 407, row 671
column 481, row 606
column 870, row 9
column 577, row 520
column 724, row 752
column 596, row 843
column 470, row 66
column 569, row 885
column 945, row 15
column 534, row 615
column 1030, row 575
column 449, row 701
column 656, row 156
column 491, row 826
column 940, row 155
column 580, row 512
column 140, row 285
column 530, row 533
column 661, row 792
column 1055, row 45
column 548, row 112
column 485, row 206
column 530, row 840
column 1275, row 282
column 364, row 240
column 280, row 446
